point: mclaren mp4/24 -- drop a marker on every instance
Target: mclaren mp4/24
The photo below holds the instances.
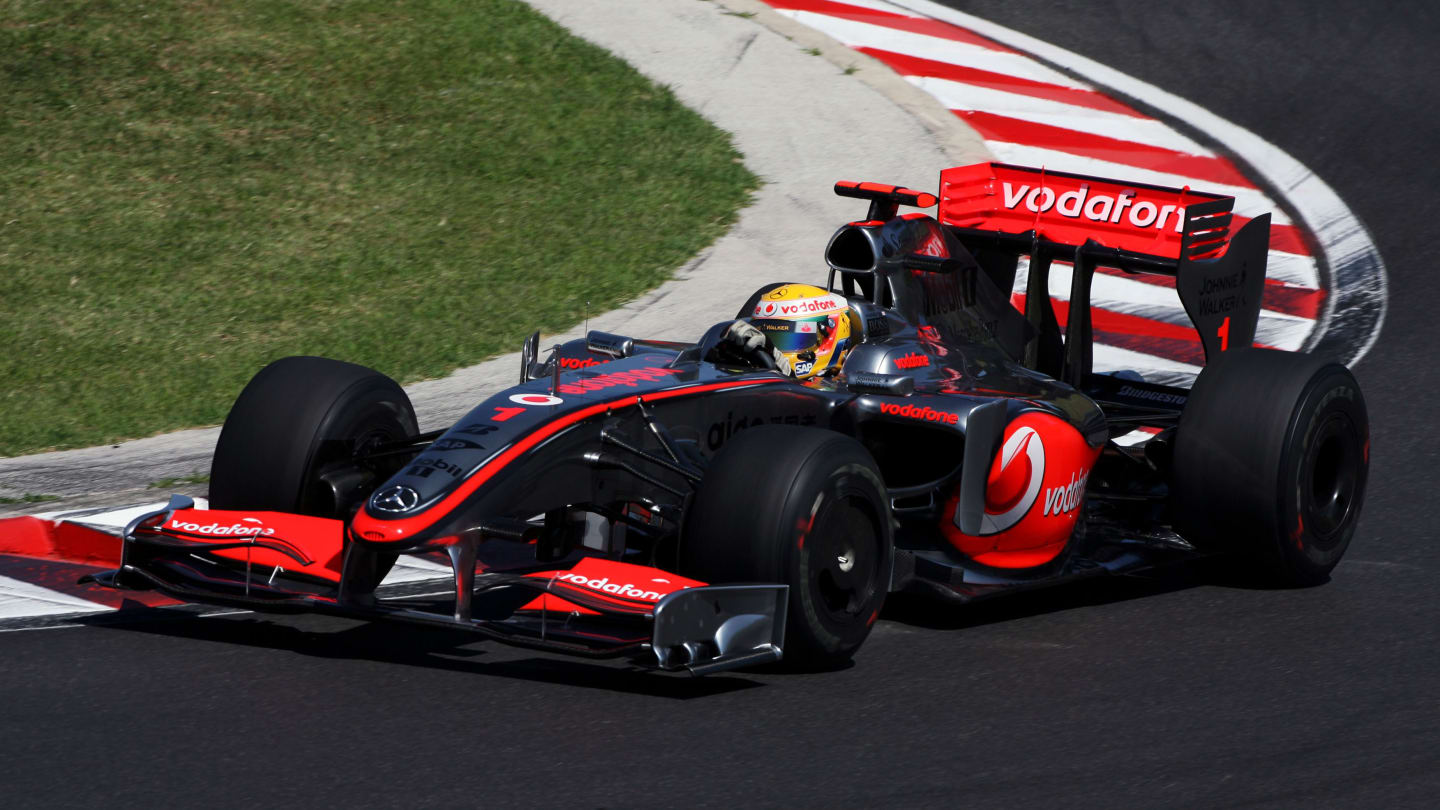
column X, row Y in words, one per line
column 691, row 506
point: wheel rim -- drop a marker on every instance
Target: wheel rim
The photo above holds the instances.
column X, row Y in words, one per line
column 844, row 561
column 1330, row 480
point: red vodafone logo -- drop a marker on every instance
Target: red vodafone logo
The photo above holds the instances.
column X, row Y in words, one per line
column 535, row 399
column 1034, row 493
column 798, row 307
column 245, row 527
column 1015, row 483
column 1098, row 207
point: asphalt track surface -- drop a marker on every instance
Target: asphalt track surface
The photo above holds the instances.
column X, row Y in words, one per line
column 1183, row 689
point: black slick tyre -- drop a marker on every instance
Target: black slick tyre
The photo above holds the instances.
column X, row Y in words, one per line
column 1271, row 457
column 802, row 507
column 296, row 417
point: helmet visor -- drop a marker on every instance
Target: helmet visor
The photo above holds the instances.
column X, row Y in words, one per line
column 794, row 336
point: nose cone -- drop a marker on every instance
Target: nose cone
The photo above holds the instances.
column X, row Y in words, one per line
column 370, row 529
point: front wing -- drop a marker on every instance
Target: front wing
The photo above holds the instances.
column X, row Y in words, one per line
column 591, row 607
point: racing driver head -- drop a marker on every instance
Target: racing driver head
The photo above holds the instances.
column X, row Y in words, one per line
column 808, row 325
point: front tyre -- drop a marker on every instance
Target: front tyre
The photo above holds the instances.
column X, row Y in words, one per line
column 296, row 419
column 1271, row 458
column 802, row 507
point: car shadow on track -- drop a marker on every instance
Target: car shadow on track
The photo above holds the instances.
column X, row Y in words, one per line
column 405, row 645
column 939, row 614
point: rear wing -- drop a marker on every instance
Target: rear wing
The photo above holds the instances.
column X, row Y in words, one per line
column 1137, row 228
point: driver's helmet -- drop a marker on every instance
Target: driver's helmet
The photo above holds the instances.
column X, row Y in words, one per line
column 810, row 326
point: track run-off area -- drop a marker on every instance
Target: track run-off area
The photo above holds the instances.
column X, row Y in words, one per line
column 1183, row 688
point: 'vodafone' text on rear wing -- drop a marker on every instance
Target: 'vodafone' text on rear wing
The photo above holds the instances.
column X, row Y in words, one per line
column 996, row 208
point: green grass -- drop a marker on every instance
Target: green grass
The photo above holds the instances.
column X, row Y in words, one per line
column 171, row 483
column 189, row 190
column 28, row 498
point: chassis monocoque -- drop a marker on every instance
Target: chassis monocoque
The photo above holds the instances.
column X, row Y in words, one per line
column 687, row 506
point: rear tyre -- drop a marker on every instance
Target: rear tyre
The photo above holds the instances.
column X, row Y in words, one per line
column 1271, row 457
column 296, row 418
column 802, row 507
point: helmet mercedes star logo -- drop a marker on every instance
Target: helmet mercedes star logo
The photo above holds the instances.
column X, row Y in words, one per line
column 398, row 498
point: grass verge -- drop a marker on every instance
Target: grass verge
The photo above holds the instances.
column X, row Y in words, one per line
column 28, row 497
column 189, row 190
column 184, row 480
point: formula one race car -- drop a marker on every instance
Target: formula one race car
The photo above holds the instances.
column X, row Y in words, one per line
column 694, row 506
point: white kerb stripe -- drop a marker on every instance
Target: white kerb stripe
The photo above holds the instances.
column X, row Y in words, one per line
column 962, row 96
column 19, row 599
column 1293, row 269
column 864, row 35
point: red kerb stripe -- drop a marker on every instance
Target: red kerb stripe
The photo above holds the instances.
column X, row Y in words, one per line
column 1013, row 130
column 916, row 66
column 899, row 22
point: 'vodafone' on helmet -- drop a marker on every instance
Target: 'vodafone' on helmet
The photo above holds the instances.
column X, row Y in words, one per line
column 811, row 326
